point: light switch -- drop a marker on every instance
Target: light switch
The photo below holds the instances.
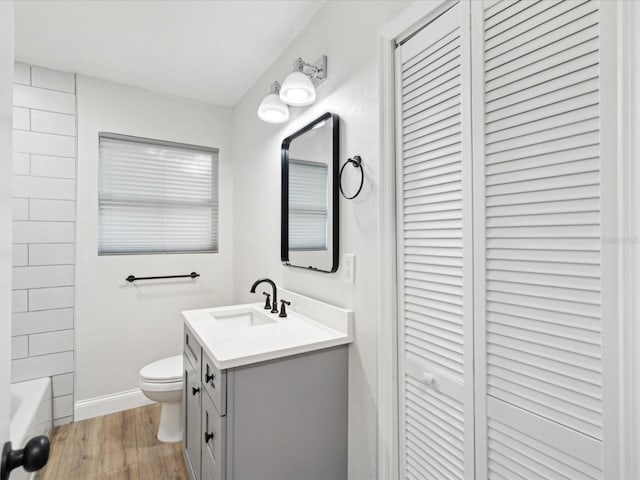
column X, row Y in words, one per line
column 348, row 268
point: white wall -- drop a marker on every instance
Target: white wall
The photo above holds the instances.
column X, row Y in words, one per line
column 346, row 32
column 44, row 213
column 6, row 92
column 120, row 327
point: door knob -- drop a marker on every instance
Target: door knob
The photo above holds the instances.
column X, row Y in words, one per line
column 207, row 436
column 428, row 378
column 208, row 377
column 195, row 390
column 32, row 458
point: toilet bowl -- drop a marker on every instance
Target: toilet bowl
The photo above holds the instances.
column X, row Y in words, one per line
column 162, row 382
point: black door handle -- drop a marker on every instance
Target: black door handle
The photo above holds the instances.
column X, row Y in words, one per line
column 195, row 390
column 207, row 436
column 33, row 457
column 209, row 378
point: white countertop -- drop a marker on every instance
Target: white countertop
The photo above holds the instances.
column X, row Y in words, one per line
column 313, row 325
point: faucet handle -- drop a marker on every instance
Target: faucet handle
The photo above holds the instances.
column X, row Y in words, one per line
column 283, row 310
column 267, row 303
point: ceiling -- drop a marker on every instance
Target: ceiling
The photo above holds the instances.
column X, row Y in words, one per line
column 212, row 51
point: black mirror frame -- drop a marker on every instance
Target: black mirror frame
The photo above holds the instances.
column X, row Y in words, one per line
column 284, row 202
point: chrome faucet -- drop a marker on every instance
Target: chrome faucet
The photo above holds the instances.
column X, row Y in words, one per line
column 274, row 309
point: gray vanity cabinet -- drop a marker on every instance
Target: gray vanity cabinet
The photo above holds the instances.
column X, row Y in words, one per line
column 282, row 419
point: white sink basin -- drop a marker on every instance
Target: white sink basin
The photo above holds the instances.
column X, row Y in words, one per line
column 242, row 318
column 237, row 335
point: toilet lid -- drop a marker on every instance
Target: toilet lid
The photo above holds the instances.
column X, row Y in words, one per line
column 163, row 371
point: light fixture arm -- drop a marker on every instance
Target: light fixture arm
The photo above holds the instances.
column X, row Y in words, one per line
column 275, row 87
column 317, row 71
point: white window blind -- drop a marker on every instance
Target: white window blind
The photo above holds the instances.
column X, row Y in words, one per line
column 156, row 197
column 307, row 205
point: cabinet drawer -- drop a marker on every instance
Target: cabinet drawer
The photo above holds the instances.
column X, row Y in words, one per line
column 215, row 383
column 192, row 349
column 213, row 441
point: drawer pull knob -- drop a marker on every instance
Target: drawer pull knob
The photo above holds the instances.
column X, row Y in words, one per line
column 207, row 436
column 195, row 390
column 208, row 377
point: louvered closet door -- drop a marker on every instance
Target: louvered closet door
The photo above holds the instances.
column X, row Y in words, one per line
column 542, row 317
column 434, row 251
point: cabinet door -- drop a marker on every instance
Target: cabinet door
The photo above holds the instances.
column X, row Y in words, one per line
column 546, row 270
column 192, row 425
column 213, row 441
column 214, row 382
column 434, row 251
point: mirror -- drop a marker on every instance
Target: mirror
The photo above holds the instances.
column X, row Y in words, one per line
column 309, row 225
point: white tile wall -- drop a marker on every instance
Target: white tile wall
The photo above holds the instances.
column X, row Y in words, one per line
column 20, row 301
column 42, row 366
column 57, row 167
column 45, row 143
column 21, row 163
column 21, row 118
column 43, row 232
column 25, row 186
column 58, row 422
column 44, row 166
column 22, row 73
column 42, row 276
column 63, row 384
column 41, row 99
column 53, row 79
column 43, row 321
column 49, row 122
column 63, row 405
column 52, row 210
column 20, row 255
column 49, row 298
column 52, row 254
column 51, row 342
column 19, row 347
column 20, row 208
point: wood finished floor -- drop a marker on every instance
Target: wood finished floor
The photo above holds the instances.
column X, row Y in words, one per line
column 121, row 446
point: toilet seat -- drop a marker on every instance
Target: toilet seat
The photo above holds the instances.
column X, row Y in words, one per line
column 159, row 387
column 166, row 371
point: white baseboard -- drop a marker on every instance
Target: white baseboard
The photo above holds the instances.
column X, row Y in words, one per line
column 98, row 406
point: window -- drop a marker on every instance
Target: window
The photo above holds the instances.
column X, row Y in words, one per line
column 307, row 205
column 156, row 197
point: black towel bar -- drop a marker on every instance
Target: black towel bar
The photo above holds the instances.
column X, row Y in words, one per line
column 133, row 278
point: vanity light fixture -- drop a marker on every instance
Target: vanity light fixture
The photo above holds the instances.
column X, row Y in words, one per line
column 272, row 109
column 299, row 88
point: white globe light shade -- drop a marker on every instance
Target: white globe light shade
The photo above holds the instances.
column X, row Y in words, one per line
column 298, row 90
column 272, row 110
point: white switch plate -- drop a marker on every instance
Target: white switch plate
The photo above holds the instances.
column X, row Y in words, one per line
column 348, row 268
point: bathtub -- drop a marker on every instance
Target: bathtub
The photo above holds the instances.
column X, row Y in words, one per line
column 31, row 415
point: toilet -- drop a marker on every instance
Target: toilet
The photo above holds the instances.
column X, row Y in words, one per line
column 162, row 382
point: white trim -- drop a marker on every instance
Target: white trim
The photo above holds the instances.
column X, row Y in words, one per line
column 104, row 405
column 409, row 19
column 6, row 225
column 628, row 69
column 612, row 370
column 479, row 243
